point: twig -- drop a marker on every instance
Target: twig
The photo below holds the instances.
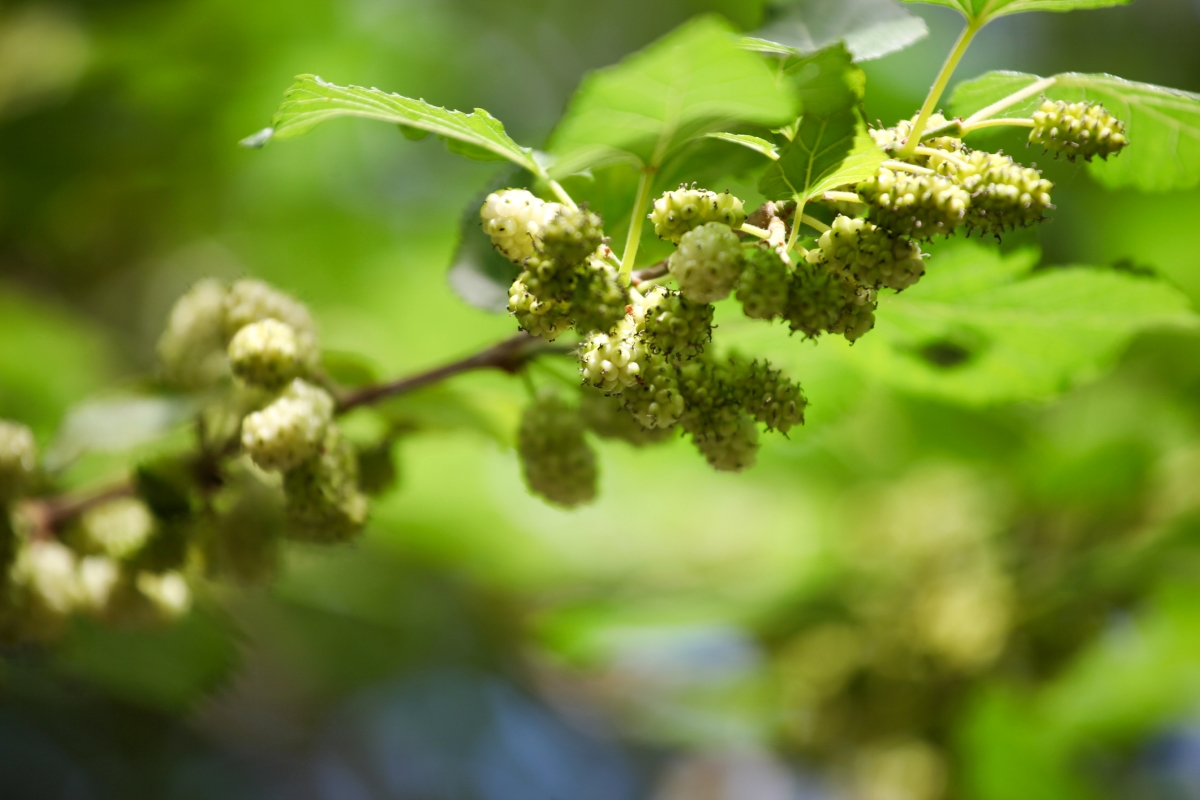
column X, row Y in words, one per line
column 649, row 273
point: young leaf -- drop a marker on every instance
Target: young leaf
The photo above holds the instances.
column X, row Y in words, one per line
column 826, row 82
column 1163, row 125
column 755, row 143
column 311, row 101
column 826, row 153
column 869, row 28
column 984, row 328
column 694, row 81
column 990, row 9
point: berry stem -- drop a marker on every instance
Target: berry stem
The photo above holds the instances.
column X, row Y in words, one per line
column 904, row 166
column 1008, row 102
column 761, row 233
column 944, row 155
column 814, row 223
column 997, row 123
column 799, row 216
column 636, row 221
column 843, row 197
column 561, row 194
column 939, row 86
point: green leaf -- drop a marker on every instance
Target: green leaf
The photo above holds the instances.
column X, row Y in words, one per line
column 694, row 81
column 756, row 143
column 868, row 28
column 990, row 9
column 311, row 101
column 826, row 153
column 116, row 424
column 984, row 328
column 1163, row 125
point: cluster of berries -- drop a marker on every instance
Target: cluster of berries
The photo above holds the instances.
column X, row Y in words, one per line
column 101, row 570
column 643, row 356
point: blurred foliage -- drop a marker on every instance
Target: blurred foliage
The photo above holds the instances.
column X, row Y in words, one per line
column 925, row 593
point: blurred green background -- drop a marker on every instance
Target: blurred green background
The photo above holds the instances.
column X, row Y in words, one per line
column 913, row 598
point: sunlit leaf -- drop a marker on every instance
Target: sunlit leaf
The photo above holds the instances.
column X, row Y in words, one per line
column 311, row 101
column 116, row 424
column 868, row 28
column 985, row 328
column 1163, row 125
column 989, row 9
column 755, row 143
column 693, row 81
column 826, row 153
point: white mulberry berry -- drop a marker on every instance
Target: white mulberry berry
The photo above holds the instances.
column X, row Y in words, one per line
column 571, row 236
column 763, row 288
column 167, row 592
column 612, row 361
column 515, row 219
column 1078, row 129
column 191, row 350
column 556, row 460
column 118, row 529
column 675, row 325
column 1004, row 194
column 290, row 430
column 871, row 255
column 266, row 353
column 730, row 452
column 607, row 417
column 707, row 263
column 600, row 300
column 922, row 206
column 655, row 400
column 548, row 319
column 894, row 138
column 679, row 211
column 18, row 460
column 249, row 301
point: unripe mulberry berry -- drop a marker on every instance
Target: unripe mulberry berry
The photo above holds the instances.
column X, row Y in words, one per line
column 731, row 452
column 48, row 572
column 244, row 542
column 168, row 593
column 763, row 288
column 555, row 458
column 612, row 361
column 290, row 430
column 548, row 319
column 1077, row 129
column 921, row 206
column 600, row 299
column 1004, row 194
column 18, row 460
column 826, row 300
column 707, row 263
column 117, row 529
column 675, row 325
column 655, row 400
column 323, row 501
column 894, row 138
column 266, row 353
column 191, row 350
column 677, row 212
column 607, row 417
column 571, row 236
column 249, row 301
column 712, row 405
column 515, row 219
column 768, row 395
column 871, row 255
column 98, row 578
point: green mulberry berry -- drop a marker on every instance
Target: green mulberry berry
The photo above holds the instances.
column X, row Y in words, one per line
column 655, row 400
column 711, row 402
column 612, row 361
column 921, row 206
column 677, row 212
column 1077, row 129
column 266, row 353
column 244, row 542
column 250, row 301
column 515, row 219
column 191, row 350
column 571, row 236
column 1004, row 194
column 674, row 325
column 763, row 288
column 290, row 430
column 707, row 263
column 548, row 319
column 322, row 497
column 732, row 452
column 871, row 255
column 556, row 460
column 826, row 300
column 549, row 279
column 606, row 416
column 117, row 529
column 768, row 395
column 601, row 299
column 18, row 460
column 894, row 138
column 168, row 593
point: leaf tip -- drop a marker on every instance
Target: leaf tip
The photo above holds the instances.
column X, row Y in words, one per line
column 257, row 140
